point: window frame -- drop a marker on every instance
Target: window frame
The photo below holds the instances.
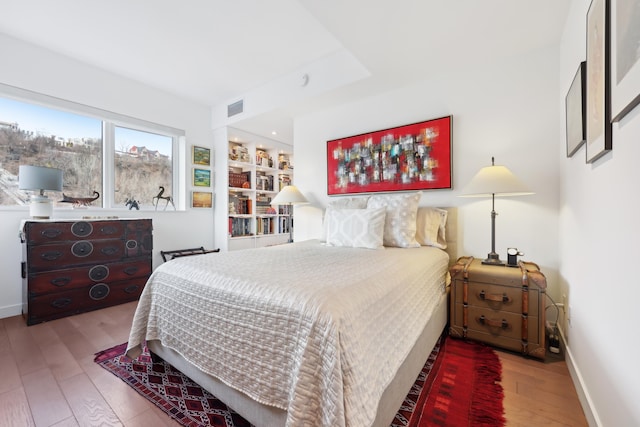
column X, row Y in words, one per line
column 110, row 121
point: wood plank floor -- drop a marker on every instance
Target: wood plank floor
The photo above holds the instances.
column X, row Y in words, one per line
column 48, row 378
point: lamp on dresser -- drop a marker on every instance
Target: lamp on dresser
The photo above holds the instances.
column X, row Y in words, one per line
column 40, row 179
column 492, row 181
column 289, row 195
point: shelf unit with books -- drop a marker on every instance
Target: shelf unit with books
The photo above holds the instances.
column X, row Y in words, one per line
column 251, row 171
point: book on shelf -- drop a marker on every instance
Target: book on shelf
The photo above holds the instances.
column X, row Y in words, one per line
column 264, row 182
column 263, row 205
column 239, row 178
column 283, row 180
column 265, row 225
column 240, row 204
column 239, row 227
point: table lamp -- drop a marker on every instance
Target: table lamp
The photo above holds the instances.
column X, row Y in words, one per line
column 38, row 178
column 289, row 195
column 494, row 181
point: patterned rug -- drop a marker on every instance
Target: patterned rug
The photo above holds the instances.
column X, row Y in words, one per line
column 458, row 386
column 463, row 388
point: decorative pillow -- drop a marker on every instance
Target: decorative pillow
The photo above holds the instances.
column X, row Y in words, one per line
column 356, row 228
column 400, row 222
column 431, row 227
column 346, row 203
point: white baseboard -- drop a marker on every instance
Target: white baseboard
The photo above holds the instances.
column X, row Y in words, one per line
column 10, row 311
column 590, row 412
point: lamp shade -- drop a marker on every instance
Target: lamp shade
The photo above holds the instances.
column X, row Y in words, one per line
column 289, row 195
column 39, row 178
column 495, row 180
column 492, row 181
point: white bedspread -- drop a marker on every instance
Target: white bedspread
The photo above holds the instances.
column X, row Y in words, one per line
column 315, row 330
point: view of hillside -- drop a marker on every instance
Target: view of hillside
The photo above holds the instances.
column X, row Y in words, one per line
column 137, row 176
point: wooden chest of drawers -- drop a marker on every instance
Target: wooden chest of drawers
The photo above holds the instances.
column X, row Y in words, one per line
column 498, row 305
column 70, row 267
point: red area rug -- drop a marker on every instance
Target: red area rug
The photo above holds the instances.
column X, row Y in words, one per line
column 458, row 386
column 463, row 388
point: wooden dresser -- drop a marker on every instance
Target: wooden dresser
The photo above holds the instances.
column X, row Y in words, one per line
column 70, row 267
column 499, row 305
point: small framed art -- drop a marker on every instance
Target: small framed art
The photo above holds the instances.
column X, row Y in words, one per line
column 625, row 57
column 598, row 115
column 201, row 156
column 201, row 199
column 575, row 111
column 201, row 177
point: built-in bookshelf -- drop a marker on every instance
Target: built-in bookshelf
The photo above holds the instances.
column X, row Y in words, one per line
column 251, row 170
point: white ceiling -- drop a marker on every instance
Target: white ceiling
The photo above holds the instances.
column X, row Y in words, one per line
column 216, row 51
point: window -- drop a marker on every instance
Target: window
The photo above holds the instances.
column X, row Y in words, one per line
column 143, row 168
column 39, row 136
column 119, row 157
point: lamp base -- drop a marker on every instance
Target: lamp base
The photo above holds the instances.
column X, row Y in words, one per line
column 493, row 259
column 40, row 207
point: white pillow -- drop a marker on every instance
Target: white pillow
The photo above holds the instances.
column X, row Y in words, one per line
column 343, row 202
column 431, row 227
column 400, row 222
column 356, row 228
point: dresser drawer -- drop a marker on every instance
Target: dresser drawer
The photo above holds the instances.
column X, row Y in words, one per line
column 497, row 297
column 71, row 278
column 138, row 225
column 48, row 232
column 69, row 254
column 497, row 323
column 74, row 301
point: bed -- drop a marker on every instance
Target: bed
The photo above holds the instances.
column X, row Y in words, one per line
column 306, row 333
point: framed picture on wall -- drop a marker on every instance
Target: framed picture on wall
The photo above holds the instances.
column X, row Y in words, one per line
column 575, row 111
column 201, row 177
column 409, row 157
column 201, row 199
column 598, row 114
column 625, row 57
column 201, row 156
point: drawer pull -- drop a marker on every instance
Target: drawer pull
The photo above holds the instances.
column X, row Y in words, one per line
column 99, row 291
column 81, row 229
column 98, row 272
column 61, row 281
column 51, row 255
column 109, row 250
column 131, row 270
column 61, row 302
column 493, row 323
column 493, row 297
column 82, row 248
column 131, row 289
column 50, row 233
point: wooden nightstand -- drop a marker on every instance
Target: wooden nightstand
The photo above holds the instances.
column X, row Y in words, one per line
column 499, row 305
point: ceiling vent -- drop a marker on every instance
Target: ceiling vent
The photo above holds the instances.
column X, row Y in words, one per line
column 235, row 108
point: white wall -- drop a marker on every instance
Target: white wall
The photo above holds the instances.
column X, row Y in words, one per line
column 599, row 228
column 508, row 110
column 42, row 71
